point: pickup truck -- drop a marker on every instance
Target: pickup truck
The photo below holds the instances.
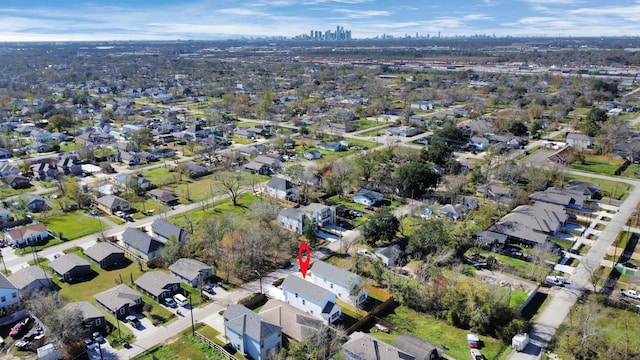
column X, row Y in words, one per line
column 630, row 293
column 555, row 280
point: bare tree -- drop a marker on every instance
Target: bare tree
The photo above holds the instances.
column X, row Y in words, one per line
column 232, row 183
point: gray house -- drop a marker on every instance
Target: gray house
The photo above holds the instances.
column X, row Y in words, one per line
column 92, row 317
column 164, row 231
column 250, row 334
column 30, row 279
column 119, row 300
column 191, row 271
column 141, row 244
column 106, row 255
column 418, row 348
column 283, row 189
column 362, row 346
column 158, row 285
column 70, row 267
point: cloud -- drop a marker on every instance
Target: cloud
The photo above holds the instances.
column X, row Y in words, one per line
column 362, row 14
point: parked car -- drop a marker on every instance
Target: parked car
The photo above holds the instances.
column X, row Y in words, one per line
column 90, row 344
column 119, row 214
column 18, row 329
column 285, row 264
column 208, row 289
column 629, row 265
column 630, row 293
column 555, row 280
column 131, row 319
column 476, row 354
column 170, row 302
column 98, row 337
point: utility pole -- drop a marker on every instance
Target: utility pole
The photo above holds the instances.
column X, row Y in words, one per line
column 259, row 277
column 193, row 327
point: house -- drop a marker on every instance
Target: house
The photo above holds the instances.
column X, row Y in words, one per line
column 367, row 197
column 562, row 156
column 281, row 188
column 250, row 334
column 26, row 235
column 292, row 219
column 580, row 141
column 330, row 146
column 31, row 278
column 8, row 295
column 39, row 147
column 7, row 168
column 16, row 181
column 165, row 231
column 531, row 224
column 165, row 196
column 158, row 285
column 257, row 168
column 45, row 170
column 106, row 255
column 92, row 317
column 70, row 165
column 272, row 162
column 5, row 215
column 422, row 105
column 120, row 300
column 191, row 271
column 141, row 244
column 109, row 204
column 418, row 348
column 453, row 212
column 362, row 346
column 320, row 215
column 41, row 135
column 5, row 154
column 393, row 254
column 479, row 142
column 31, row 202
column 70, row 267
column 312, row 155
column 295, row 324
column 195, row 171
column 311, row 298
column 345, row 284
column 134, row 182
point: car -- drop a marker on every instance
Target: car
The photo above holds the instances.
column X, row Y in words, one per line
column 574, row 251
column 476, row 354
column 18, row 329
column 170, row 302
column 285, row 264
column 119, row 214
column 630, row 294
column 555, row 280
column 98, row 337
column 629, row 265
column 131, row 319
column 208, row 289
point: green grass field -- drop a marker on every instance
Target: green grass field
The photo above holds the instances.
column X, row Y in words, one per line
column 406, row 321
column 597, row 165
column 185, row 346
column 74, row 225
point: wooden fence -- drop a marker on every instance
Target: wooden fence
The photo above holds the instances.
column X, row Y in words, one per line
column 212, row 344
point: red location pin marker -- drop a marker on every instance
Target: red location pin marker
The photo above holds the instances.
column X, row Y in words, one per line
column 304, row 263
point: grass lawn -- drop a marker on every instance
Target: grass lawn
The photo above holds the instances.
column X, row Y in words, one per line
column 404, row 320
column 376, row 132
column 632, row 171
column 184, row 346
column 598, row 164
column 614, row 189
column 74, row 225
column 226, row 206
column 30, row 249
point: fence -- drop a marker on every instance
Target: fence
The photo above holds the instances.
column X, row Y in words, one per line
column 372, row 314
column 212, row 344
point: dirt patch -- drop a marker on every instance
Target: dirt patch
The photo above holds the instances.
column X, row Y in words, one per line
column 503, row 279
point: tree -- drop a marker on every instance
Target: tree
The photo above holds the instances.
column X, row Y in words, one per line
column 429, row 238
column 59, row 122
column 415, row 178
column 518, row 128
column 232, row 183
column 381, row 227
column 141, row 138
column 171, row 251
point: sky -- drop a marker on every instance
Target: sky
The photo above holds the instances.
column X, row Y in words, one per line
column 98, row 20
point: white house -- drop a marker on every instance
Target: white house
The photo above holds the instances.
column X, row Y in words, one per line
column 8, row 294
column 367, row 197
column 345, row 284
column 311, row 298
column 320, row 215
column 250, row 334
column 26, row 235
column 480, row 143
column 283, row 189
column 292, row 219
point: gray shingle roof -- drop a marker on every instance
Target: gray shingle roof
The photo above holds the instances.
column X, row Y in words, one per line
column 26, row 276
column 166, row 229
column 117, row 297
column 280, row 183
column 67, row 262
column 415, row 346
column 102, row 250
column 295, row 323
column 333, row 273
column 111, row 201
column 5, row 283
column 141, row 241
column 363, row 346
column 188, row 268
column 244, row 321
column 88, row 311
column 156, row 282
column 306, row 289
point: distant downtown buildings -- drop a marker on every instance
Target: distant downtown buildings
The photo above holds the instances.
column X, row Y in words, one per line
column 339, row 34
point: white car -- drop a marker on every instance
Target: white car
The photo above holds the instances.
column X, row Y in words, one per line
column 630, row 293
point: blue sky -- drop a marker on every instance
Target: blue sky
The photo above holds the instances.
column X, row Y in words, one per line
column 64, row 20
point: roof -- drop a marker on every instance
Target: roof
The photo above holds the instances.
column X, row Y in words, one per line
column 306, row 289
column 102, row 250
column 117, row 297
column 188, row 268
column 369, row 194
column 579, row 137
column 26, row 231
column 560, row 196
column 280, row 183
column 314, row 207
column 291, row 213
column 269, row 161
column 166, row 229
column 253, row 165
column 163, row 195
column 415, row 346
column 156, row 282
column 5, row 283
column 334, row 274
column 366, row 347
column 88, row 311
column 26, row 276
column 140, row 241
column 67, row 262
column 244, row 321
column 111, row 201
column 295, row 323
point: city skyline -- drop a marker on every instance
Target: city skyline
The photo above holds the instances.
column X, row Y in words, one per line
column 69, row 20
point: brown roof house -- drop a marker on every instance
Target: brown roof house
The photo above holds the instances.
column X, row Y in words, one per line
column 158, row 285
column 106, row 255
column 295, row 323
column 70, row 267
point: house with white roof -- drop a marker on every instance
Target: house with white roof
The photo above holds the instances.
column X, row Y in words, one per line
column 311, row 298
column 345, row 284
column 250, row 334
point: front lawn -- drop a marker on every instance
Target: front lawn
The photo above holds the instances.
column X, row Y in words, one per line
column 73, row 225
column 598, row 164
column 406, row 321
column 185, row 346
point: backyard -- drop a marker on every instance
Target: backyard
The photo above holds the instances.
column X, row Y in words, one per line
column 184, row 346
column 598, row 164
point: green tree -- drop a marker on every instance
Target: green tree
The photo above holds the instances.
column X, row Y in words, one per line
column 381, row 227
column 140, row 139
column 59, row 122
column 430, row 237
column 518, row 128
column 415, row 178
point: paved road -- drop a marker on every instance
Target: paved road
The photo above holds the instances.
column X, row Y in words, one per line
column 560, row 303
